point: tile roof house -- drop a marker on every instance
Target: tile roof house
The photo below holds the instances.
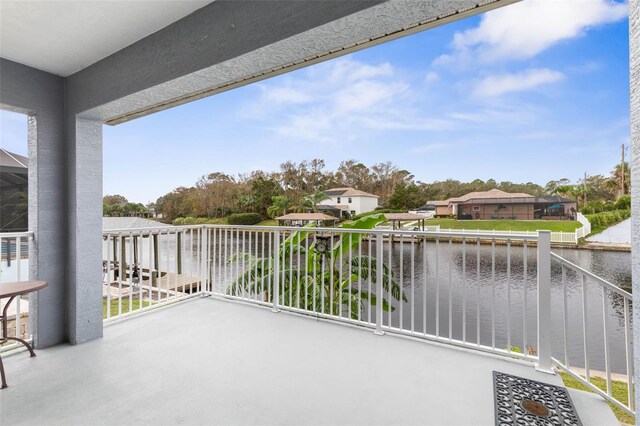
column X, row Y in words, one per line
column 498, row 204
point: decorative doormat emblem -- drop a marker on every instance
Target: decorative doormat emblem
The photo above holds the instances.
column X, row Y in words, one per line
column 522, row 401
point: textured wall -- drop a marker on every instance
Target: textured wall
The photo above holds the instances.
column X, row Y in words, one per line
column 41, row 95
column 634, row 46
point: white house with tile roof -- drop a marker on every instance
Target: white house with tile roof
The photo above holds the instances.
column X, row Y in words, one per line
column 349, row 200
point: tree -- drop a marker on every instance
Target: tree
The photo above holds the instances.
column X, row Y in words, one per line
column 406, row 196
column 315, row 199
column 263, row 189
column 326, row 281
column 280, row 206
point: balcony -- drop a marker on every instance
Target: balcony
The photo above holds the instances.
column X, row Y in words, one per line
column 217, row 362
column 243, row 315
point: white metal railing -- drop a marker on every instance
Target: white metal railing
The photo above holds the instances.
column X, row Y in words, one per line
column 422, row 284
column 605, row 321
column 503, row 293
column 14, row 266
column 150, row 267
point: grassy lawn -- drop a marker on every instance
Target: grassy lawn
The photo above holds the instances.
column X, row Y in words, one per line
column 268, row 222
column 125, row 306
column 619, row 391
column 507, row 225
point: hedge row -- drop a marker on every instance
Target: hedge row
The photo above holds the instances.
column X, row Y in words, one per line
column 244, row 219
column 601, row 221
column 189, row 220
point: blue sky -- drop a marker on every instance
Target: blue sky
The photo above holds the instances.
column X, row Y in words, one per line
column 531, row 92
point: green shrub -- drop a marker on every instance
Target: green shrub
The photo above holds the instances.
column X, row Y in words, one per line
column 601, row 221
column 623, row 203
column 244, row 219
column 190, row 220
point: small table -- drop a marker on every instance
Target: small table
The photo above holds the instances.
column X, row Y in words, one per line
column 11, row 291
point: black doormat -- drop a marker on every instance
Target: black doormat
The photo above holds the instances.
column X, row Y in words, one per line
column 522, row 401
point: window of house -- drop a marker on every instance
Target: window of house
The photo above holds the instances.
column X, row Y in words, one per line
column 353, row 212
column 338, row 200
column 476, row 208
column 349, row 199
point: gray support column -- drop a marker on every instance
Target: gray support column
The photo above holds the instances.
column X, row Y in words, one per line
column 41, row 95
column 634, row 61
column 84, row 271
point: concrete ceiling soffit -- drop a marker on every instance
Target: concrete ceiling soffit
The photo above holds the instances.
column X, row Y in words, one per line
column 357, row 31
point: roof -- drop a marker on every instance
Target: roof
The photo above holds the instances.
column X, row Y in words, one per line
column 14, row 174
column 403, row 216
column 491, row 194
column 554, row 199
column 437, row 203
column 347, row 192
column 12, row 162
column 109, row 223
column 307, row 216
column 336, row 207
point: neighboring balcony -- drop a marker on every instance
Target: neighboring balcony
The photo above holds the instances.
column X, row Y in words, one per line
column 453, row 308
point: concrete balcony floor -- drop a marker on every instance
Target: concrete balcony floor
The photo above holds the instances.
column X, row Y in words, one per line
column 208, row 361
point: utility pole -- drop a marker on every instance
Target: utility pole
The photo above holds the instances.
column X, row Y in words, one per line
column 622, row 172
column 584, row 184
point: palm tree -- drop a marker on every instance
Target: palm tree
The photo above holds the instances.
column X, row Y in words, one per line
column 326, row 280
column 280, row 206
column 316, row 198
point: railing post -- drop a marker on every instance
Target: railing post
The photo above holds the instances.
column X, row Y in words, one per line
column 379, row 278
column 544, row 303
column 276, row 270
column 205, row 259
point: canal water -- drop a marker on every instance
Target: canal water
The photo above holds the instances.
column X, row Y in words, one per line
column 503, row 303
column 492, row 302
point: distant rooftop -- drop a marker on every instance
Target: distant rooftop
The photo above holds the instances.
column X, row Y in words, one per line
column 307, row 216
column 492, row 193
column 12, row 162
column 347, row 192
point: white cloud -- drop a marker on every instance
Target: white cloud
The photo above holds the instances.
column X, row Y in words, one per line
column 336, row 98
column 431, row 77
column 496, row 85
column 285, row 95
column 523, row 30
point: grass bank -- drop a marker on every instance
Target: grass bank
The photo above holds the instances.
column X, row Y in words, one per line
column 618, row 390
column 506, row 225
column 601, row 221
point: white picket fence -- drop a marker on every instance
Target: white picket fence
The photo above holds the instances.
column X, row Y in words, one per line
column 556, row 237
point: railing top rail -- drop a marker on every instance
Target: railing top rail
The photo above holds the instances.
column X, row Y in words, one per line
column 164, row 228
column 454, row 233
column 16, row 234
column 469, row 234
column 583, row 271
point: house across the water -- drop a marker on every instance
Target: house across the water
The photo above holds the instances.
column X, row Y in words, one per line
column 347, row 201
column 497, row 204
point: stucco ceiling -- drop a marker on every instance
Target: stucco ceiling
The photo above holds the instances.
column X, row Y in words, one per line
column 63, row 37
